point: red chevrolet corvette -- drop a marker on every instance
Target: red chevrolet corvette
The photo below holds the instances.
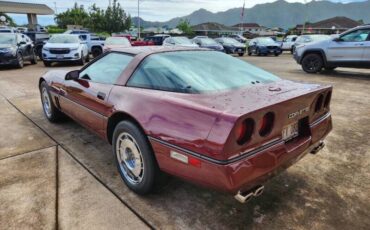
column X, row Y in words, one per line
column 201, row 115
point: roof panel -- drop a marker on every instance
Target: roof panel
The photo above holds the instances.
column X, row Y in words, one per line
column 25, row 8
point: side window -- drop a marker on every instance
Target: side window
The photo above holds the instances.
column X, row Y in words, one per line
column 83, row 37
column 107, row 69
column 294, row 39
column 356, row 36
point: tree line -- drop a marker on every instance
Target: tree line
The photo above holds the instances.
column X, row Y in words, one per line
column 111, row 20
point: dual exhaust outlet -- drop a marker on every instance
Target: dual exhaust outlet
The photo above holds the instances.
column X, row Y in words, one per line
column 245, row 197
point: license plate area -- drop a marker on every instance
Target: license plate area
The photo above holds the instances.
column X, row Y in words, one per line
column 60, row 56
column 290, row 131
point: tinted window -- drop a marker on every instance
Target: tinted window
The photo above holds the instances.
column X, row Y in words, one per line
column 8, row 39
column 107, row 69
column 196, row 72
column 356, row 36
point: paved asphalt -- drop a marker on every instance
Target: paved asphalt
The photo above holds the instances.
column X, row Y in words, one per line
column 62, row 176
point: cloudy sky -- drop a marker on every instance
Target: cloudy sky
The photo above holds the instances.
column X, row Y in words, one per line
column 152, row 10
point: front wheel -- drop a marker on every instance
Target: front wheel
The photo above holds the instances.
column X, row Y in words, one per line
column 51, row 112
column 135, row 158
column 241, row 54
column 20, row 61
column 312, row 63
column 82, row 59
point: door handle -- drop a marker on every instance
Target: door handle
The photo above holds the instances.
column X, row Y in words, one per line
column 361, row 44
column 101, row 96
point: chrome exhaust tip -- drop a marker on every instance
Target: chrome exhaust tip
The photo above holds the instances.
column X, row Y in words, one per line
column 245, row 197
column 259, row 191
column 316, row 149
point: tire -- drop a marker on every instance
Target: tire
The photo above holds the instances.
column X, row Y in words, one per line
column 87, row 58
column 249, row 52
column 20, row 61
column 51, row 112
column 241, row 54
column 312, row 63
column 141, row 173
column 82, row 59
column 258, row 52
column 34, row 58
column 276, row 55
column 292, row 50
column 96, row 51
column 47, row 63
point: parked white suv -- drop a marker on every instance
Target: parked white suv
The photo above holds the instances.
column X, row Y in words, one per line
column 65, row 47
column 349, row 49
column 288, row 43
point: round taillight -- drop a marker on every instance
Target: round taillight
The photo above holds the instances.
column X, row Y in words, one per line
column 266, row 124
column 319, row 103
column 244, row 131
column 327, row 100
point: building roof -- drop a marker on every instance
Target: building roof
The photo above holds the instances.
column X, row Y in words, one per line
column 247, row 25
column 25, row 8
column 337, row 22
column 212, row 26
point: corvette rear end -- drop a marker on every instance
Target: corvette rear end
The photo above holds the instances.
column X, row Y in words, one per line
column 259, row 132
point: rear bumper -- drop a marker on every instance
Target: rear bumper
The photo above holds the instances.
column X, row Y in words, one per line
column 244, row 173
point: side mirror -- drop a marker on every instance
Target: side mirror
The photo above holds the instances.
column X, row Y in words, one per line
column 73, row 75
column 337, row 39
column 22, row 43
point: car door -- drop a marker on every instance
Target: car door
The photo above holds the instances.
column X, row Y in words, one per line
column 366, row 57
column 349, row 47
column 252, row 45
column 85, row 99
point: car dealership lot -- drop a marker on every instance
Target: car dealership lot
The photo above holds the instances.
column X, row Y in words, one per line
column 63, row 175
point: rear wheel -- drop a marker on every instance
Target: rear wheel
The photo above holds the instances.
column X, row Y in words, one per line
column 51, row 112
column 241, row 54
column 249, row 52
column 87, row 58
column 96, row 51
column 34, row 58
column 135, row 159
column 312, row 63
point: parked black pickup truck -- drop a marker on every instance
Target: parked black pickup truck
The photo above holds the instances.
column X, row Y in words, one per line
column 38, row 39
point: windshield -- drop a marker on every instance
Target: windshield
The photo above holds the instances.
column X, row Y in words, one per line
column 182, row 40
column 117, row 41
column 266, row 41
column 197, row 72
column 230, row 41
column 7, row 39
column 64, row 39
column 208, row 42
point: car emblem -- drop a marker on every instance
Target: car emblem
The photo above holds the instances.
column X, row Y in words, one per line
column 274, row 89
column 299, row 112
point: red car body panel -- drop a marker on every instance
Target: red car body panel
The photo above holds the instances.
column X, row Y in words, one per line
column 201, row 125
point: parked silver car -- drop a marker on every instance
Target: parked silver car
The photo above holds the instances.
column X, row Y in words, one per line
column 349, row 49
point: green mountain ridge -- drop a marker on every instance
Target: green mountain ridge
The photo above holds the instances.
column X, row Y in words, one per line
column 276, row 14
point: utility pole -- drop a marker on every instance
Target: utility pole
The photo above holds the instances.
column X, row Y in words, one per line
column 55, row 8
column 305, row 17
column 138, row 18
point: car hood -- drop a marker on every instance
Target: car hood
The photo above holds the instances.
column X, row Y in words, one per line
column 6, row 46
column 317, row 44
column 62, row 45
column 218, row 47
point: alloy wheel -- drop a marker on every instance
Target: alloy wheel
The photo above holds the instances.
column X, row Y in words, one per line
column 129, row 158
